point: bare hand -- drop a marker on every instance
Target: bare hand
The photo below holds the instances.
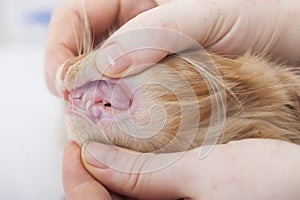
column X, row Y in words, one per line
column 229, row 28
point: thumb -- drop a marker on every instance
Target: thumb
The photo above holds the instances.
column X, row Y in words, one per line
column 139, row 175
column 150, row 36
column 221, row 26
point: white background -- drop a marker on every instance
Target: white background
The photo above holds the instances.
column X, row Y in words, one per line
column 31, row 119
column 31, row 128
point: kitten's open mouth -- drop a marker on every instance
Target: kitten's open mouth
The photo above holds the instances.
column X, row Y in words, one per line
column 99, row 99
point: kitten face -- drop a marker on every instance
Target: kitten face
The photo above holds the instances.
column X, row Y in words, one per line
column 171, row 107
column 156, row 110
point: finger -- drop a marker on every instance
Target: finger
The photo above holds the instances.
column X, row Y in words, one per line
column 216, row 25
column 250, row 169
column 146, row 176
column 65, row 31
column 78, row 183
column 136, row 47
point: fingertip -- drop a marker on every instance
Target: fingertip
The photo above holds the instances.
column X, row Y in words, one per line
column 60, row 46
column 71, row 161
column 142, row 42
column 71, row 148
column 77, row 182
column 50, row 83
column 125, row 57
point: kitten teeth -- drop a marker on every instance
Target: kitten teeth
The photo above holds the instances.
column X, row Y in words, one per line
column 75, row 95
column 88, row 104
column 85, row 97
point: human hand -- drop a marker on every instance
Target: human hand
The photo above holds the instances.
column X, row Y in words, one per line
column 78, row 183
column 227, row 27
column 246, row 169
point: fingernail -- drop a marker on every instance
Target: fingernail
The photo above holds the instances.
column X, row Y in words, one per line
column 112, row 60
column 97, row 154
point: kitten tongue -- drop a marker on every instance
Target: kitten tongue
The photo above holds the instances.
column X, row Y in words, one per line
column 100, row 92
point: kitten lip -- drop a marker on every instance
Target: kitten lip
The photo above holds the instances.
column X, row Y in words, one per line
column 100, row 99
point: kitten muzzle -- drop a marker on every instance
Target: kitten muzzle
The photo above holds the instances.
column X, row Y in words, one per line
column 99, row 99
